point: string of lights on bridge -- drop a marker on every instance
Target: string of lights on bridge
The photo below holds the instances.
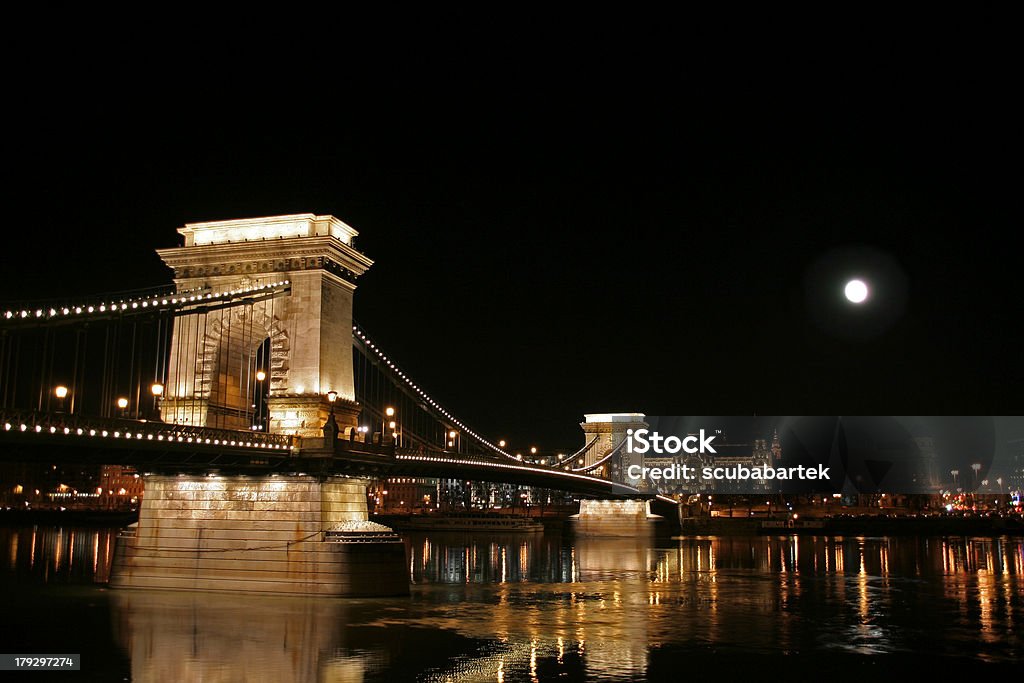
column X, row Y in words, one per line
column 174, row 437
column 426, row 397
column 457, row 461
column 179, row 298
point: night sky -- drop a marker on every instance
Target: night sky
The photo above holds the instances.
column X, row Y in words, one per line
column 588, row 238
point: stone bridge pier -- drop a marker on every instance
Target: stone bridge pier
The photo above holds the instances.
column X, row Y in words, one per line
column 610, row 458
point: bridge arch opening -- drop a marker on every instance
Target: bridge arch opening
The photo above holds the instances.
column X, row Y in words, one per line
column 225, row 365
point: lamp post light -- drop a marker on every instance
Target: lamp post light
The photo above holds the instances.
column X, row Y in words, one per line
column 452, row 437
column 61, row 392
column 332, row 396
column 976, row 467
column 122, row 405
column 157, row 390
column 501, row 443
column 955, row 473
column 262, row 399
column 389, row 413
column 331, row 426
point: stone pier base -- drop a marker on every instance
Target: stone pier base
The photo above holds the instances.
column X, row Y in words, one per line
column 631, row 518
column 266, row 534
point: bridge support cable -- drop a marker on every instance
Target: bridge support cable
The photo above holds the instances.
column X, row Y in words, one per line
column 602, row 461
column 112, row 351
column 578, row 454
column 441, row 422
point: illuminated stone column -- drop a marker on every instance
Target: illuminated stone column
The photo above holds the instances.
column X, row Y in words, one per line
column 309, row 328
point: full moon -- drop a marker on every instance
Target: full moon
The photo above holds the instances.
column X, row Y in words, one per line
column 856, row 291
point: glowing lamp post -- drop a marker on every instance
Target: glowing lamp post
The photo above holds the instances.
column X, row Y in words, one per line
column 331, row 426
column 157, row 390
column 122, row 405
column 261, row 376
column 332, row 396
column 61, row 392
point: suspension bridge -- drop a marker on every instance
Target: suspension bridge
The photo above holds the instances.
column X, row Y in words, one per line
column 247, row 371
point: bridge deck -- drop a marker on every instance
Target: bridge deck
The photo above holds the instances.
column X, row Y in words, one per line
column 158, row 447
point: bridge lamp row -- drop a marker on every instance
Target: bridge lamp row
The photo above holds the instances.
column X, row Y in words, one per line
column 149, row 437
column 498, row 464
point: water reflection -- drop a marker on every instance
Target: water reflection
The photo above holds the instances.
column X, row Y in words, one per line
column 536, row 607
column 59, row 554
column 174, row 636
column 613, row 601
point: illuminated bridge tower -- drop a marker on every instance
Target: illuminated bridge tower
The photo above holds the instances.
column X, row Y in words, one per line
column 606, row 456
column 265, row 363
column 270, row 362
column 606, row 432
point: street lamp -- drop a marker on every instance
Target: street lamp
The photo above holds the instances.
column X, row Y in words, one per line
column 122, row 404
column 157, row 390
column 389, row 412
column 955, row 473
column 62, row 393
column 501, row 444
column 261, row 398
column 331, row 426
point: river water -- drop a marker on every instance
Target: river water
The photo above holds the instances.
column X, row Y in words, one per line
column 535, row 607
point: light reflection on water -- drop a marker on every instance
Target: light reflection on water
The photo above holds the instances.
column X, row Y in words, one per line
column 534, row 607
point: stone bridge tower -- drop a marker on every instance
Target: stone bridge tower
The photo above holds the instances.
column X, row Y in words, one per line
column 607, row 431
column 281, row 349
column 283, row 352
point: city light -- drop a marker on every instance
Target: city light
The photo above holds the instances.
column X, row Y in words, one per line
column 61, row 391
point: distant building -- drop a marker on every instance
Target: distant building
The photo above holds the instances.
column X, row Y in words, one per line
column 926, row 474
column 119, row 487
column 760, row 453
column 1015, row 475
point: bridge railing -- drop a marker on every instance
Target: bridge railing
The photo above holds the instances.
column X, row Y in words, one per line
column 76, row 427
